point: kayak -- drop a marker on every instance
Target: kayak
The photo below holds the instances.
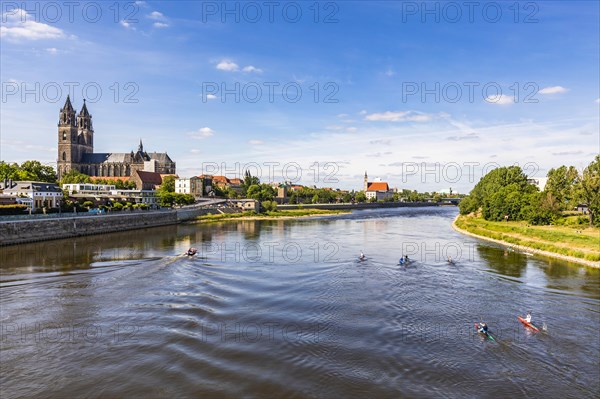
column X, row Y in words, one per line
column 486, row 334
column 527, row 324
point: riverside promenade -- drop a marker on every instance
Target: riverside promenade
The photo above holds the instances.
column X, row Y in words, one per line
column 15, row 230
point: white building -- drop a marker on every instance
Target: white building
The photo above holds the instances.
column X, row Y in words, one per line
column 147, row 197
column 40, row 194
column 88, row 188
column 112, row 193
column 192, row 185
column 539, row 182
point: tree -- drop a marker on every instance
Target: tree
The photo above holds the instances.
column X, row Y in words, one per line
column 168, row 184
column 588, row 189
column 501, row 192
column 269, row 206
column 249, row 181
column 38, row 172
column 261, row 192
column 88, row 204
column 561, row 185
column 9, row 170
column 360, row 196
column 28, row 170
column 74, row 177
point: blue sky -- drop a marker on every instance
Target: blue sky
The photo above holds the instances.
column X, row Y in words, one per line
column 161, row 68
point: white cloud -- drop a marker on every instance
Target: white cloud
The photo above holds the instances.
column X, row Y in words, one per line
column 363, row 112
column 399, row 116
column 255, row 142
column 228, row 66
column 342, row 115
column 126, row 24
column 160, row 25
column 156, row 15
column 251, row 68
column 553, row 90
column 500, row 100
column 202, row 133
column 52, row 50
column 140, row 3
column 598, row 101
column 346, row 129
column 390, row 72
column 18, row 24
column 210, row 97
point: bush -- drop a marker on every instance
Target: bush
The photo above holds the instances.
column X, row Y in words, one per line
column 117, row 206
column 269, row 206
column 13, row 209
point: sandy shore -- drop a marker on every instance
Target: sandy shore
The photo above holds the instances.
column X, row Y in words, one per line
column 523, row 248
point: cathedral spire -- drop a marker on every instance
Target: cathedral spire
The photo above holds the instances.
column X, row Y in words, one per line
column 141, row 147
column 84, row 110
column 68, row 106
column 67, row 114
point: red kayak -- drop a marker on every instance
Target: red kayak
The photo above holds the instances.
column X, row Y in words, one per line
column 522, row 320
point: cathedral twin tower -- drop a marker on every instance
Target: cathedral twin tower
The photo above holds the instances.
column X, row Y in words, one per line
column 76, row 150
column 75, row 137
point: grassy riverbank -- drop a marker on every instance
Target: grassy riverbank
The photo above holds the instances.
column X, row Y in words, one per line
column 578, row 242
column 282, row 214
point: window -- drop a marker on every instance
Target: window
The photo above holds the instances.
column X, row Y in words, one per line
column 64, row 135
column 64, row 156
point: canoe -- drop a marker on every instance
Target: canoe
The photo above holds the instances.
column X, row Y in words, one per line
column 527, row 324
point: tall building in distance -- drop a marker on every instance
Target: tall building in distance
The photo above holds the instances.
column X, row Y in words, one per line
column 76, row 150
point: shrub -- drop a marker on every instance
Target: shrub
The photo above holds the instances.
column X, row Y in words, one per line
column 13, row 209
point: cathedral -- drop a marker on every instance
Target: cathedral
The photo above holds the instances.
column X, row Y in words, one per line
column 76, row 150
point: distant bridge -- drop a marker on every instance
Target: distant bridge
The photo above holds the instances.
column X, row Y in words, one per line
column 450, row 201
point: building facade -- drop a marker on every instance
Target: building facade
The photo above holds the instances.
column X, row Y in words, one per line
column 76, row 150
column 378, row 189
column 36, row 195
column 192, row 185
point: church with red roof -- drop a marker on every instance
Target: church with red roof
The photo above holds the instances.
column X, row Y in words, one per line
column 377, row 189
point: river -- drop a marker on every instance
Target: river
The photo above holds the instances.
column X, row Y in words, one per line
column 284, row 309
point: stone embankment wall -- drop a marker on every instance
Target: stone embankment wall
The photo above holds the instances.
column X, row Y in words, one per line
column 22, row 231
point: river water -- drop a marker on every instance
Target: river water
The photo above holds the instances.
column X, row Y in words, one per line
column 283, row 309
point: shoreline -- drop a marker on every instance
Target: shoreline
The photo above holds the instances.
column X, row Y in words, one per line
column 568, row 258
column 257, row 217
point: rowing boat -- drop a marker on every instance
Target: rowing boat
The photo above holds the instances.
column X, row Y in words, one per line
column 527, row 324
column 487, row 334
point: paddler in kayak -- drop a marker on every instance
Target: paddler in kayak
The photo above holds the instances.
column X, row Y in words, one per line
column 528, row 318
column 191, row 252
column 483, row 328
column 362, row 256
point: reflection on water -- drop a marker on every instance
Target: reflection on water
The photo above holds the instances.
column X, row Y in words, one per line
column 285, row 309
column 508, row 262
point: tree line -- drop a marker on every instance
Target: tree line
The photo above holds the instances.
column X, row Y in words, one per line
column 505, row 193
